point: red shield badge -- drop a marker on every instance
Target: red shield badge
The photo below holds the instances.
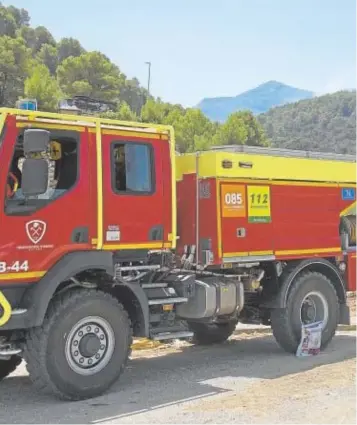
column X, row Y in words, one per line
column 35, row 230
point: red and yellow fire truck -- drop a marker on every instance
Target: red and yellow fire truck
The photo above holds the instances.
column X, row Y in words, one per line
column 108, row 234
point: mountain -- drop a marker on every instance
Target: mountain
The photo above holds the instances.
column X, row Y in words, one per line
column 257, row 100
column 325, row 123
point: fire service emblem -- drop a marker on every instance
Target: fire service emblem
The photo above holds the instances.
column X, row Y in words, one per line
column 35, row 230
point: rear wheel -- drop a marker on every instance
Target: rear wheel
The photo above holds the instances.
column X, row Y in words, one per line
column 211, row 333
column 311, row 299
column 82, row 346
column 9, row 366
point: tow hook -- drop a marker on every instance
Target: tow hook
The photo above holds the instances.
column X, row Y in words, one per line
column 5, row 310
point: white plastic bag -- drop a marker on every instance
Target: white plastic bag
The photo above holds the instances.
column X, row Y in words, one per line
column 310, row 340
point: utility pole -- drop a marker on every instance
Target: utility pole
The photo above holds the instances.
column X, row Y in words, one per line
column 149, row 75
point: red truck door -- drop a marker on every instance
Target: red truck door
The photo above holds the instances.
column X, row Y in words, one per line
column 134, row 188
column 34, row 239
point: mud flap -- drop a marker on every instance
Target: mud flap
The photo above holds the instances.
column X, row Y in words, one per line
column 345, row 318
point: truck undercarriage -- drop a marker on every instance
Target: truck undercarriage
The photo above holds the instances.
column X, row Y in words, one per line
column 160, row 301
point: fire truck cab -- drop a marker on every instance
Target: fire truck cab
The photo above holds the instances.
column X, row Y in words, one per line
column 107, row 234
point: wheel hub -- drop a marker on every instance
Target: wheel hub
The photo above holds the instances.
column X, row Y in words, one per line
column 90, row 345
column 308, row 310
column 314, row 308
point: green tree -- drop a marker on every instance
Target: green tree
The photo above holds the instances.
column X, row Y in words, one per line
column 194, row 128
column 134, row 95
column 35, row 38
column 7, row 23
column 255, row 133
column 124, row 113
column 48, row 55
column 154, row 111
column 157, row 111
column 43, row 36
column 15, row 60
column 68, row 47
column 174, row 117
column 241, row 128
column 43, row 87
column 90, row 74
column 29, row 36
column 21, row 16
column 203, row 142
column 194, row 131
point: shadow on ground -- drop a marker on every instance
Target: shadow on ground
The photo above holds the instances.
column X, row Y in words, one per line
column 152, row 383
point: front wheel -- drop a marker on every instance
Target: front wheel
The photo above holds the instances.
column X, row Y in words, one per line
column 82, row 346
column 311, row 299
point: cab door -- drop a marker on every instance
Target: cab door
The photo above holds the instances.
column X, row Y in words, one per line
column 37, row 233
column 133, row 204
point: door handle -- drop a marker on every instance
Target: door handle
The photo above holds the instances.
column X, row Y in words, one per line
column 80, row 235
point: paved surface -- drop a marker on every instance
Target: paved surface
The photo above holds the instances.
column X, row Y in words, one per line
column 246, row 380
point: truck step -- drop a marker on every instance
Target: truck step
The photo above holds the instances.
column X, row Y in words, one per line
column 18, row 311
column 171, row 335
column 9, row 351
column 161, row 301
column 129, row 268
column 154, row 285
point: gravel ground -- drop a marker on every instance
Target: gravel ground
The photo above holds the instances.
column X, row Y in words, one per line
column 246, row 380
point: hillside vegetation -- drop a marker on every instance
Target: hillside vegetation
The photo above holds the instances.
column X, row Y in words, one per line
column 326, row 123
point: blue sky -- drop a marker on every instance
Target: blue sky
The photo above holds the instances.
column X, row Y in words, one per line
column 208, row 48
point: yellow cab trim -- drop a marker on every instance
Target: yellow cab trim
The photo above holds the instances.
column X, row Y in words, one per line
column 28, row 124
column 144, row 245
column 21, row 275
column 332, row 250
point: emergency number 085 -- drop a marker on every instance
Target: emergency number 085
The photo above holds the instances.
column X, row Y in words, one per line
column 233, row 198
column 16, row 266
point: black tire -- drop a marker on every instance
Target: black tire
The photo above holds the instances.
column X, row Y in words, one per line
column 286, row 323
column 211, row 333
column 48, row 359
column 9, row 366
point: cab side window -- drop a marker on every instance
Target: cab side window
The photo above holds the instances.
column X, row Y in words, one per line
column 62, row 158
column 132, row 168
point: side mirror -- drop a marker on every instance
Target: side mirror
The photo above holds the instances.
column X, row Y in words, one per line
column 34, row 177
column 36, row 141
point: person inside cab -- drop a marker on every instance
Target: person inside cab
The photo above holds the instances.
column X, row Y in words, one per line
column 13, row 179
column 12, row 185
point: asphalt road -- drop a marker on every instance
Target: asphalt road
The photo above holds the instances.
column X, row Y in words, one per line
column 246, row 380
